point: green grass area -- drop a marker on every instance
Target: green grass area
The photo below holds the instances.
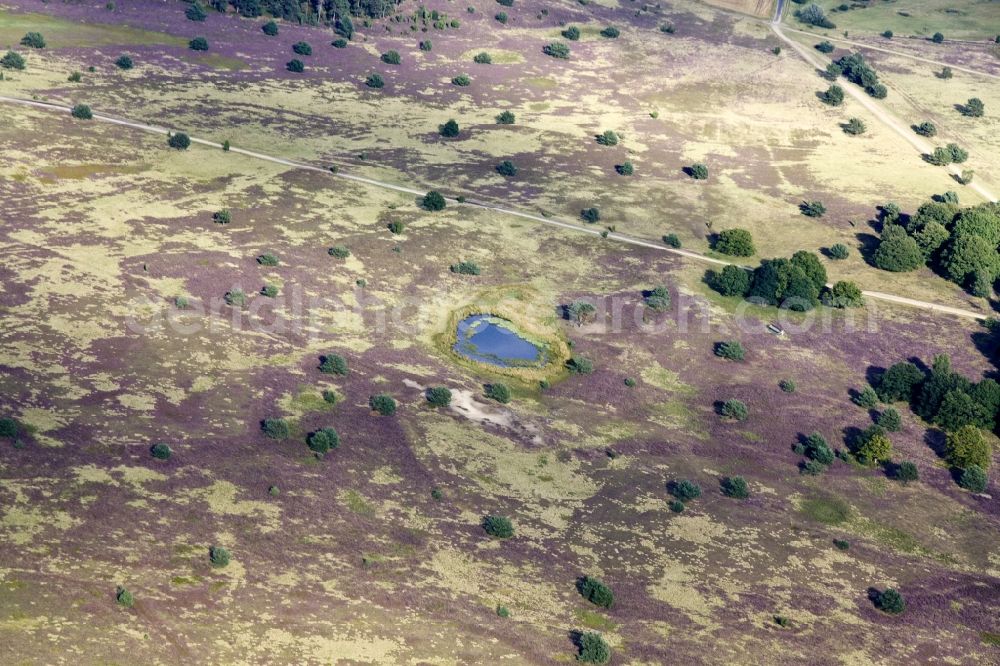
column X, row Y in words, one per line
column 990, row 638
column 592, row 620
column 60, row 33
column 977, row 19
column 826, row 510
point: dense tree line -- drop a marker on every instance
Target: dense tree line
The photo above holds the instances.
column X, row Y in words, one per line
column 315, row 12
column 795, row 283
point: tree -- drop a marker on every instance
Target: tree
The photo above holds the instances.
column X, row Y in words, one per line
column 811, row 265
column 658, row 299
column 498, row 527
column 607, row 138
column 82, row 112
column 906, row 472
column 591, row 215
column 180, row 141
column 959, row 409
column 35, row 40
column 556, row 50
column 890, row 601
column 505, row 118
column 834, row 95
column 973, row 108
column 812, row 208
column 296, row 66
column 12, row 60
column 957, row 153
column 685, row 490
column 507, row 168
column 824, row 47
column 374, row 80
column 593, row 649
column 124, row 62
column 384, row 404
column 219, row 556
column 302, row 48
column 845, row 295
column 571, row 33
column 899, row 382
column 839, row 251
column 867, row 398
column 855, row 127
column 731, row 281
column 890, row 420
column 340, row 43
column 968, row 253
column 270, row 29
column 735, row 487
column 730, row 350
column 439, row 396
column 596, row 592
column 323, row 440
column 426, row 45
column 499, row 392
column 735, row 242
column 897, row 251
column 462, row 80
column 875, row 446
column 625, row 169
column 124, row 598
column 887, row 34
column 276, row 428
column 925, row 128
column 160, row 451
column 814, row 15
column 611, row 32
column 816, row 448
column 937, row 38
column 198, row 44
column 482, row 58
column 967, row 446
column 195, row 12
column 974, row 479
column 930, row 238
column 698, row 171
column 735, row 410
column 433, row 200
column 501, row 17
column 449, row 129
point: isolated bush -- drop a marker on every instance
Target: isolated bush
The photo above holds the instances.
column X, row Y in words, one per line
column 735, row 410
column 671, row 240
column 731, row 350
column 223, row 216
column 571, row 33
column 874, row 447
column 439, row 396
column 75, row 77
column 897, row 251
column 698, row 171
column 580, row 365
column 685, row 490
column 465, row 268
column 596, row 592
column 124, row 62
column 899, row 382
column 825, row 47
column 505, row 118
column 499, row 392
column 925, row 129
column 812, row 468
column 391, row 57
column 580, row 311
column 329, row 396
column 966, row 447
column 498, row 527
column 426, row 45
column 461, row 80
column 9, row 427
column 611, row 32
column 906, row 472
column 787, row 385
column 890, row 601
column 937, row 38
column 731, row 281
column 302, row 48
column 82, row 111
column 323, row 440
column 33, row 40
column 482, row 58
column 676, row 506
column 658, row 299
column 180, row 141
column 591, row 215
column 397, row 227
column 556, row 50
column 974, row 479
column 295, row 65
column 198, row 44
column 383, row 404
column 339, row 252
column 339, row 44
column 812, row 208
column 845, row 295
column 855, row 127
column 890, row 420
column 270, row 29
column 607, row 138
column 816, row 449
column 124, row 598
column 12, row 60
column 433, row 200
column 973, row 108
column 887, row 34
column 814, row 15
column 625, row 169
column 276, row 428
column 735, row 242
column 219, row 556
column 834, row 95
column 449, row 129
column 501, row 17
column 735, row 487
column 269, row 290
column 267, row 259
column 333, row 364
column 374, row 80
column 195, row 12
column 160, row 451
column 236, row 298
column 957, row 154
column 507, row 168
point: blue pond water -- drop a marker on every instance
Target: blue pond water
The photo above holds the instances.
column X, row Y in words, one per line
column 492, row 340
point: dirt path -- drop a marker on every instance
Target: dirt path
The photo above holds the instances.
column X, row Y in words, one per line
column 489, row 206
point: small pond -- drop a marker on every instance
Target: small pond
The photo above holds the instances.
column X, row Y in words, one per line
column 494, row 340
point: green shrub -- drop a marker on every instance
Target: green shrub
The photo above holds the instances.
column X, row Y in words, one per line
column 906, row 472
column 339, row 252
column 731, row 281
column 498, row 527
column 844, row 295
column 839, row 251
column 842, row 544
column 787, row 385
column 629, row 382
column 973, row 108
column 323, row 440
column 671, row 240
column 499, row 392
column 735, row 242
column 925, row 129
column 439, row 396
column 503, row 611
column 449, row 129
column 33, row 40
column 897, row 251
column 374, row 80
column 218, row 556
column 160, row 451
column 698, row 171
column 890, row 420
column 396, row 227
column 465, row 268
column 974, row 479
column 276, row 428
column 269, row 290
column 340, row 43
column 658, row 299
column 593, row 649
column 295, row 65
column 611, row 32
column 874, row 446
column 180, row 141
column 825, row 47
column 270, row 29
column 580, row 365
column 198, row 44
column 571, row 33
column 333, row 364
column 507, row 168
column 731, row 350
column 735, row 487
column 384, row 404
column 124, row 62
column 222, row 216
column 501, row 17
column 329, row 396
column 966, row 447
column 685, row 490
column 75, row 77
column 426, row 45
column 937, row 38
column 591, row 215
column 236, row 298
column 596, row 592
column 816, row 449
column 625, row 169
column 834, row 95
column 124, row 598
column 854, row 127
column 461, row 80
column 506, row 118
column 433, row 200
column 195, row 12
column 12, row 60
column 82, row 112
column 735, row 410
column 556, row 50
column 812, row 208
column 9, row 428
column 890, row 601
column 887, row 34
column 482, row 58
column 267, row 259
column 676, row 506
column 302, row 48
